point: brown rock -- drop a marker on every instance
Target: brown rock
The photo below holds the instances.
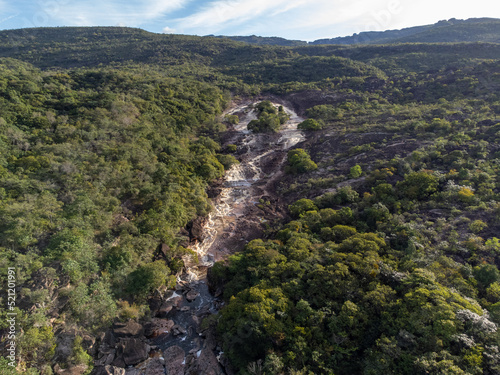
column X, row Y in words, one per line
column 129, row 329
column 164, row 309
column 174, row 360
column 195, row 228
column 159, row 327
column 192, row 295
column 155, row 367
column 178, row 330
column 131, row 351
column 205, row 362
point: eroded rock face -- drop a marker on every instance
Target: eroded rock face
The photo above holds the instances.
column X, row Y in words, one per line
column 174, row 360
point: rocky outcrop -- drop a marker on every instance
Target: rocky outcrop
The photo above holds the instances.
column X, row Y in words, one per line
column 124, row 345
column 175, row 360
column 130, row 351
column 196, row 229
column 129, row 329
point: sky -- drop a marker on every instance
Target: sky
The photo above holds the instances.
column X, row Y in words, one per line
column 292, row 19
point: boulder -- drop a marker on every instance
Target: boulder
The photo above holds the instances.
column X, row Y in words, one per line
column 192, row 295
column 130, row 351
column 153, row 366
column 195, row 228
column 174, row 360
column 164, row 309
column 159, row 327
column 129, row 329
column 178, row 330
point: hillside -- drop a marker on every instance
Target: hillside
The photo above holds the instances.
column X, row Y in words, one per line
column 178, row 204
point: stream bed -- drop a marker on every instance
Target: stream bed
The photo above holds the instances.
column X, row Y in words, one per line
column 234, row 221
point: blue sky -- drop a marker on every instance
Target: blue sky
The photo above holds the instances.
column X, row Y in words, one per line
column 291, row 19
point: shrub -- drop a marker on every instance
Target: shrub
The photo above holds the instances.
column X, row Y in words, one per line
column 299, row 161
column 477, row 226
column 355, row 171
column 310, row 124
column 301, row 207
column 418, row 185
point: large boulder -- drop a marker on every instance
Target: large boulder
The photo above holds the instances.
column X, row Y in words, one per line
column 130, row 351
column 129, row 329
column 174, row 360
column 159, row 327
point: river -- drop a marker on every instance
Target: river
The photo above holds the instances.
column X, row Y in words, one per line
column 234, row 220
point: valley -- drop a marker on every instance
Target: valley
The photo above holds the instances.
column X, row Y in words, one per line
column 151, row 232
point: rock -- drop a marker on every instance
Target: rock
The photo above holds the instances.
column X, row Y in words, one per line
column 205, row 362
column 215, row 285
column 108, row 370
column 192, row 295
column 75, row 370
column 129, row 329
column 105, row 359
column 178, row 330
column 64, row 348
column 109, row 339
column 195, row 228
column 153, row 366
column 174, row 360
column 159, row 327
column 130, row 351
column 164, row 309
column 155, row 303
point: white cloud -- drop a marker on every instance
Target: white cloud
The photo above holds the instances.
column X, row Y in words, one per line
column 220, row 13
column 168, row 30
column 98, row 12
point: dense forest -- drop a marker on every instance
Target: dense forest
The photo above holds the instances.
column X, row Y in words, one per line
column 386, row 263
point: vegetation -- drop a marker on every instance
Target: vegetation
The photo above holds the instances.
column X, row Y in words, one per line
column 388, row 262
column 269, row 119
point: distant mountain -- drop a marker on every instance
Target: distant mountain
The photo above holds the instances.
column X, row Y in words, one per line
column 451, row 31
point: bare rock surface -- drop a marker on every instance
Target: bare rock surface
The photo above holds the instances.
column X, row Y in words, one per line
column 174, row 360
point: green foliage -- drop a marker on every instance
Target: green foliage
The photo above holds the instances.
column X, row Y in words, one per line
column 104, row 156
column 418, row 185
column 147, row 278
column 310, row 124
column 227, row 160
column 269, row 119
column 355, row 171
column 301, row 207
column 299, row 161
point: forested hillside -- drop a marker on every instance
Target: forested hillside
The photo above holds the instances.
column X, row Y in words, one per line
column 113, row 139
